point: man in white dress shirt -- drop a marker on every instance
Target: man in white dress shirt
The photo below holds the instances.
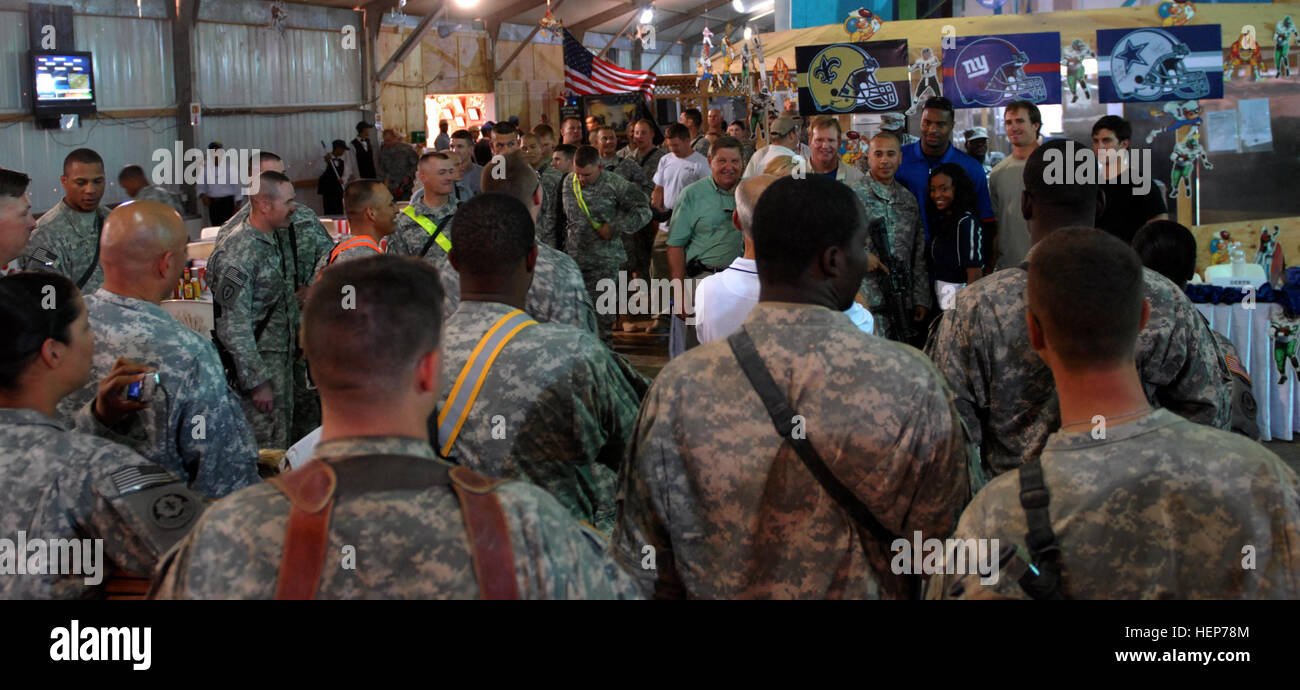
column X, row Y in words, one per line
column 723, row 300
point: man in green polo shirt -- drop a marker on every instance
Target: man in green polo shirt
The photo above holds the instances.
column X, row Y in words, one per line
column 701, row 238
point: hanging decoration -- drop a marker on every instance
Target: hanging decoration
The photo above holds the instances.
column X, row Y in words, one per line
column 1282, row 36
column 1244, row 52
column 862, row 24
column 782, row 80
column 1185, row 157
column 1268, row 253
column 1183, row 113
column 550, row 26
column 397, row 12
column 1283, row 332
column 279, row 16
column 1175, row 12
column 728, row 56
column 1072, row 57
column 1219, row 246
column 927, row 84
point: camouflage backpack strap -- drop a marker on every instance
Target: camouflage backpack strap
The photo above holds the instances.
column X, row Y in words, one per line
column 310, row 490
column 1042, row 579
column 489, row 535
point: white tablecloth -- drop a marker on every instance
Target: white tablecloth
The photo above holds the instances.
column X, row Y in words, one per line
column 1278, row 416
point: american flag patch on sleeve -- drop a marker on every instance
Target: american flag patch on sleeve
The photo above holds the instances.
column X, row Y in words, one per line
column 44, row 256
column 1234, row 365
column 140, row 477
column 236, row 276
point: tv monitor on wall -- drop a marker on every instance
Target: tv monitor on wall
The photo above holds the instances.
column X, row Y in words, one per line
column 62, row 82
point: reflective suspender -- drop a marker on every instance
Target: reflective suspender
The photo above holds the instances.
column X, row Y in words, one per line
column 577, row 192
column 461, row 398
column 358, row 241
column 430, row 227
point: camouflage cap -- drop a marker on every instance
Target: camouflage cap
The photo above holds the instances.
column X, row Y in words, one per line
column 976, row 133
column 892, row 121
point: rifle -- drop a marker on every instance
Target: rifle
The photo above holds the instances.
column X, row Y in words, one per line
column 896, row 282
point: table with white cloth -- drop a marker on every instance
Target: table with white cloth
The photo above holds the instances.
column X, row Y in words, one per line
column 1278, row 414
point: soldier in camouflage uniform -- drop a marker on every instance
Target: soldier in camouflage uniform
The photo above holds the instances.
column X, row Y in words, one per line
column 57, row 484
column 372, row 216
column 1143, row 503
column 193, row 425
column 641, row 152
column 66, row 238
column 132, row 180
column 554, row 409
column 550, row 221
column 725, row 506
column 255, row 310
column 16, row 221
column 887, row 199
column 437, row 175
column 1004, row 390
column 304, row 239
column 600, row 208
column 407, row 543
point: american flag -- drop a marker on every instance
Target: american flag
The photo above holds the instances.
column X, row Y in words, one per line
column 586, row 74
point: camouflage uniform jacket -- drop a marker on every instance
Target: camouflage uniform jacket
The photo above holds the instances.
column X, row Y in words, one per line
column 309, row 239
column 1005, row 392
column 727, row 506
column 194, row 426
column 610, row 199
column 1160, row 508
column 548, row 218
column 627, row 169
column 648, row 166
column 565, row 408
column 61, row 484
column 162, row 195
column 409, row 544
column 247, row 273
column 66, row 242
column 902, row 217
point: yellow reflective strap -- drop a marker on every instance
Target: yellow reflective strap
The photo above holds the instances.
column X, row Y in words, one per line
column 456, row 408
column 430, row 227
column 577, row 191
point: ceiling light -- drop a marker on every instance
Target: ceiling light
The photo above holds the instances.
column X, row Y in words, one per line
column 466, row 3
column 764, row 5
column 760, row 15
column 737, row 5
column 647, row 15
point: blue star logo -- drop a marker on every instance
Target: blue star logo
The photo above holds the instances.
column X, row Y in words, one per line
column 1131, row 54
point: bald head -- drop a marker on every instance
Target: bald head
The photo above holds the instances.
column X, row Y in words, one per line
column 747, row 194
column 143, row 250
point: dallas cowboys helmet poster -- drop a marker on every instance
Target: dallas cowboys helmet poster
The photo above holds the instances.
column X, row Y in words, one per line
column 1166, row 63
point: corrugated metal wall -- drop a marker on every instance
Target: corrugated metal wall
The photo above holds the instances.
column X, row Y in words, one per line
column 252, row 65
column 242, row 65
column 133, row 61
column 236, row 65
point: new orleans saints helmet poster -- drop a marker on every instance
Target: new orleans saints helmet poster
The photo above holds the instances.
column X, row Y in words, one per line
column 841, row 78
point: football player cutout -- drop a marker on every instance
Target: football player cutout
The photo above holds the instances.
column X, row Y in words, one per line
column 928, row 85
column 1072, row 58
